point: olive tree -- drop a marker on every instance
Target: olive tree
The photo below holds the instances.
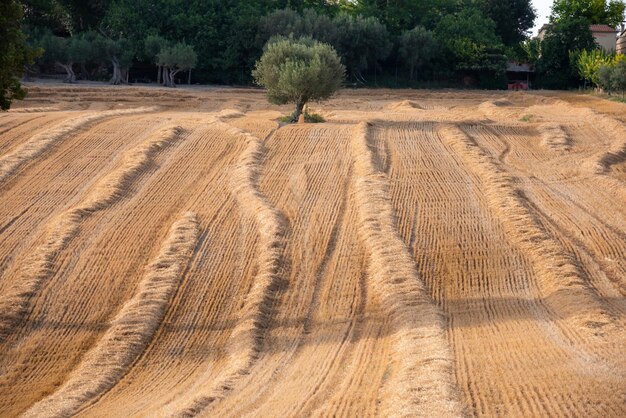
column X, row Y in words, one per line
column 152, row 46
column 65, row 52
column 618, row 77
column 298, row 71
column 417, row 47
column 120, row 53
column 176, row 58
column 605, row 75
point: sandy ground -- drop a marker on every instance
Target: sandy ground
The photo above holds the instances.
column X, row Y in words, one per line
column 422, row 253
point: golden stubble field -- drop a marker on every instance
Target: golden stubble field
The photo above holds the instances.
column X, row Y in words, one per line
column 429, row 253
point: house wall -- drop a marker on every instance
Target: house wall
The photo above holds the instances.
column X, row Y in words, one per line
column 606, row 40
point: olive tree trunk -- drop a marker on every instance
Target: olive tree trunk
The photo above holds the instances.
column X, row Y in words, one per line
column 160, row 68
column 118, row 77
column 71, row 76
column 299, row 106
column 169, row 74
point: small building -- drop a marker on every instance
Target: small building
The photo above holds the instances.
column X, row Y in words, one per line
column 543, row 31
column 520, row 75
column 605, row 36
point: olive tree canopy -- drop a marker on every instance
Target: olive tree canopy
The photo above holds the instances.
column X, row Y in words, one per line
column 176, row 58
column 299, row 71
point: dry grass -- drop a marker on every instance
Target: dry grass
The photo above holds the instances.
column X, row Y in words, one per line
column 554, row 137
column 15, row 303
column 130, row 331
column 39, row 143
column 421, row 380
column 421, row 253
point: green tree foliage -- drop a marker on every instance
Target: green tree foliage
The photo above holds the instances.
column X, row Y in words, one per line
column 15, row 54
column 588, row 63
column 612, row 76
column 593, row 11
column 299, row 71
column 223, row 33
column 46, row 14
column 531, row 50
column 119, row 53
column 65, row 52
column 618, row 77
column 176, row 58
column 228, row 35
column 513, row 19
column 83, row 15
column 555, row 67
column 470, row 43
column 152, row 46
column 399, row 15
column 604, row 76
column 416, row 48
column 362, row 42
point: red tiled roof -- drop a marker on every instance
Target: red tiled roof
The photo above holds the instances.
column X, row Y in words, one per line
column 602, row 28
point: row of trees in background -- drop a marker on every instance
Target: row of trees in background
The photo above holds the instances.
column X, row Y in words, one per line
column 96, row 50
column 387, row 43
column 395, row 42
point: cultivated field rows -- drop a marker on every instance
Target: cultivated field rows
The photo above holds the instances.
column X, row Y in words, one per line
column 420, row 253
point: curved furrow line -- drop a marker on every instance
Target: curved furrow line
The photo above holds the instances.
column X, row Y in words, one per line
column 616, row 153
column 498, row 109
column 554, row 137
column 615, row 130
column 34, row 109
column 18, row 124
column 130, row 330
column 39, row 143
column 38, row 267
column 422, row 379
column 247, row 336
column 560, row 282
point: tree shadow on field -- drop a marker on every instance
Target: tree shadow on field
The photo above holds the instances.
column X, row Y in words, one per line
column 280, row 333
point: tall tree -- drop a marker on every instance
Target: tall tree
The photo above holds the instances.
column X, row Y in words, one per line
column 417, row 47
column 609, row 12
column 14, row 53
column 554, row 65
column 65, row 52
column 84, row 15
column 513, row 18
column 176, row 58
column 120, row 53
column 470, row 43
column 152, row 46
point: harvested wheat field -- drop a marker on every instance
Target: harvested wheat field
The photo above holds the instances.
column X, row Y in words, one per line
column 422, row 253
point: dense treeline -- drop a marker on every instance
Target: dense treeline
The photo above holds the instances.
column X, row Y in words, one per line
column 392, row 42
column 385, row 43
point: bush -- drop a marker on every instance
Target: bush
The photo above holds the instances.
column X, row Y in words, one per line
column 298, row 71
column 612, row 76
column 308, row 117
column 588, row 63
